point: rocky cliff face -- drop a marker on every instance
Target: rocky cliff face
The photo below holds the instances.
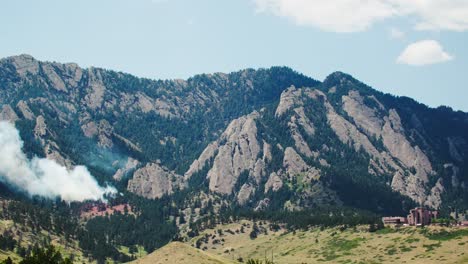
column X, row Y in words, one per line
column 363, row 122
column 260, row 137
column 154, row 181
column 236, row 151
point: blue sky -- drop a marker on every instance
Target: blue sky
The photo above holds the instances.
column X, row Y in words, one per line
column 411, row 48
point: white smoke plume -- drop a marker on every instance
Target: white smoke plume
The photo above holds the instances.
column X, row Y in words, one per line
column 44, row 177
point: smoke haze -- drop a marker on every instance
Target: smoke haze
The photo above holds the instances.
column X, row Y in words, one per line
column 44, row 177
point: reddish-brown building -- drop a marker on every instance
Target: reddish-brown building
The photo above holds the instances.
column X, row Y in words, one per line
column 417, row 217
column 420, row 216
column 394, row 220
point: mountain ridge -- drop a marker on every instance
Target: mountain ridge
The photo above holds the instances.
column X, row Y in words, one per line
column 153, row 132
column 332, row 74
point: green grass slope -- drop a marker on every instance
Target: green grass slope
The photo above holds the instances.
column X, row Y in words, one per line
column 335, row 245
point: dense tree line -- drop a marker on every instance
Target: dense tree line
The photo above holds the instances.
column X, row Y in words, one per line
column 7, row 242
column 99, row 237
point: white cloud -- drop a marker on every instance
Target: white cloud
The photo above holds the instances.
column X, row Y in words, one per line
column 424, row 52
column 338, row 16
column 395, row 33
column 359, row 15
column 437, row 14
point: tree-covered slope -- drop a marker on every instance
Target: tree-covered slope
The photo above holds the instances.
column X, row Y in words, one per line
column 262, row 130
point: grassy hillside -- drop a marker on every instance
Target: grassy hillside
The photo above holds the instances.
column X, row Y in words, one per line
column 353, row 245
column 28, row 238
column 179, row 253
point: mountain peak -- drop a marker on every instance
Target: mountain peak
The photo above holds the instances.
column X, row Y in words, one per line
column 23, row 63
column 24, row 58
column 337, row 78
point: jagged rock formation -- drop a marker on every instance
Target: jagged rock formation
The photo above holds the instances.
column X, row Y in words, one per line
column 238, row 154
column 25, row 110
column 154, row 181
column 237, row 151
column 368, row 125
column 8, row 114
column 294, row 165
column 390, row 130
column 274, row 183
column 398, row 157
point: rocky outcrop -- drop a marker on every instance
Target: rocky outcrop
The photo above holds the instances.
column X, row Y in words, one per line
column 165, row 108
column 295, row 167
column 299, row 141
column 90, row 129
column 409, row 185
column 349, row 134
column 400, row 147
column 73, row 74
column 154, row 181
column 389, row 128
column 434, row 199
column 103, row 130
column 244, row 194
column 274, row 183
column 365, row 117
column 293, row 99
column 25, row 64
column 8, row 114
column 131, row 165
column 289, row 98
column 237, row 151
column 262, row 205
column 202, row 161
column 95, row 91
column 399, row 157
column 46, row 139
column 300, row 119
column 25, row 110
column 40, row 129
column 237, row 155
column 319, row 194
column 54, row 78
column 145, row 103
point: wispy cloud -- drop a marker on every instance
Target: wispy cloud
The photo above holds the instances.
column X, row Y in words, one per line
column 358, row 15
column 424, row 52
column 395, row 33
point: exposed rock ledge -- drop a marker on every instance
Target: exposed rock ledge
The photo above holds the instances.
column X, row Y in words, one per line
column 154, row 181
